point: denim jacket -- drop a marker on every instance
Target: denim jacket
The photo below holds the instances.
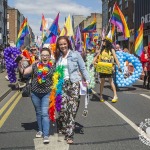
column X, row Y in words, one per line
column 76, row 65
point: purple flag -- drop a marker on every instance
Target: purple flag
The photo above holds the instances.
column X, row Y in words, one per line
column 78, row 41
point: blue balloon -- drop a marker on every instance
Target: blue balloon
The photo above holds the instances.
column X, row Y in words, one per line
column 122, row 57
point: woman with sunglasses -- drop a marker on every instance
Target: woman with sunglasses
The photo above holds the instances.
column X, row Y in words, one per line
column 42, row 72
column 74, row 67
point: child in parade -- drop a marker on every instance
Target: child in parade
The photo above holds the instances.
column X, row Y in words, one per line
column 107, row 54
column 42, row 72
column 73, row 63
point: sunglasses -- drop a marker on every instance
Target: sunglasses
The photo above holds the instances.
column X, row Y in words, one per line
column 45, row 55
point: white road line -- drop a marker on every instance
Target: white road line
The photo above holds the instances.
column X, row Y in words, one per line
column 131, row 123
column 145, row 96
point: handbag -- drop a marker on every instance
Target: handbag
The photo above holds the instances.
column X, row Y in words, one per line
column 26, row 91
column 104, row 67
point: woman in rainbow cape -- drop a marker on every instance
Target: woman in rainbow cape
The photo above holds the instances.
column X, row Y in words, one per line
column 65, row 87
column 41, row 83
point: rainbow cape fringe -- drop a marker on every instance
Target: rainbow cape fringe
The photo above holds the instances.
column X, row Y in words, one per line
column 55, row 95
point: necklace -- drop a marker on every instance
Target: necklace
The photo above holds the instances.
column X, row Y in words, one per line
column 43, row 71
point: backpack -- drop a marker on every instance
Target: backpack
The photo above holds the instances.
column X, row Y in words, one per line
column 105, row 62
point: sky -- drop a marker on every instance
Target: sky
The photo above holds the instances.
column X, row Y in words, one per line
column 33, row 10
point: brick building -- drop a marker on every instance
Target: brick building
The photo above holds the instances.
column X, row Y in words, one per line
column 13, row 24
column 76, row 20
column 3, row 22
column 89, row 19
column 14, row 21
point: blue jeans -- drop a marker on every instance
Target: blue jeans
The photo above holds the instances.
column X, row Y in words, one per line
column 41, row 105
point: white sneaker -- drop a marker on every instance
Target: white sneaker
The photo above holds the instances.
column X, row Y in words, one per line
column 45, row 140
column 6, row 77
column 39, row 134
column 21, row 84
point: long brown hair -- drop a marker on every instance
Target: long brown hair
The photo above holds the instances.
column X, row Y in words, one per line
column 57, row 53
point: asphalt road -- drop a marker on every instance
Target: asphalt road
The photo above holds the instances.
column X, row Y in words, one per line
column 103, row 129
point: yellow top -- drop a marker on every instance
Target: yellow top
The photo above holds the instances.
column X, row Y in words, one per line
column 105, row 56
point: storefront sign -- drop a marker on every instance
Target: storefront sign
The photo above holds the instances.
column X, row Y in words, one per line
column 146, row 18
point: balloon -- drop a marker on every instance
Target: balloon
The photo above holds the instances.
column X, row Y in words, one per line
column 123, row 57
column 10, row 54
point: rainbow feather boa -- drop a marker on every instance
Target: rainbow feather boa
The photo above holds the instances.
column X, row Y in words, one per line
column 56, row 93
column 42, row 71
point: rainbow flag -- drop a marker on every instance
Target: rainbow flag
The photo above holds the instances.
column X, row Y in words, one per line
column 118, row 20
column 139, row 41
column 24, row 30
column 91, row 27
column 43, row 24
column 52, row 33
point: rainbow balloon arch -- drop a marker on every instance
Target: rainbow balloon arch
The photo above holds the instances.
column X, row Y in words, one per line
column 121, row 81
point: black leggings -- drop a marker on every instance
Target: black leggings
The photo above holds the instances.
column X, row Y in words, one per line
column 146, row 75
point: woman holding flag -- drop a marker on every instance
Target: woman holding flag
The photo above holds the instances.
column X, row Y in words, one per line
column 73, row 63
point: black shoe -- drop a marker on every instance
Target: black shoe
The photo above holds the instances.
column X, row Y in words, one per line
column 144, row 86
column 148, row 86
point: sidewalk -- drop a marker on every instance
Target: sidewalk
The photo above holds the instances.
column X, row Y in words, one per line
column 5, row 86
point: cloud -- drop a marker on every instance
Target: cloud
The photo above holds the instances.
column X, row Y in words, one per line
column 33, row 9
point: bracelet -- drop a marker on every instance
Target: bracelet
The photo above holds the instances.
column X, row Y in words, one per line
column 22, row 71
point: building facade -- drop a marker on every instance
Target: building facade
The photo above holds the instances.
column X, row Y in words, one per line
column 89, row 20
column 142, row 14
column 14, row 21
column 127, row 8
column 76, row 20
column 104, row 13
column 3, row 22
column 13, row 25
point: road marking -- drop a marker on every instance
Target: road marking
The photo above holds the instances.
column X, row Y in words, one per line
column 132, row 124
column 8, row 102
column 6, row 115
column 56, row 143
column 145, row 96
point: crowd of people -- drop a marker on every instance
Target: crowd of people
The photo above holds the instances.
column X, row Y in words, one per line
column 39, row 66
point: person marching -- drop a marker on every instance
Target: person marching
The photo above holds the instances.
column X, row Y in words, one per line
column 42, row 72
column 145, row 60
column 107, row 55
column 74, row 64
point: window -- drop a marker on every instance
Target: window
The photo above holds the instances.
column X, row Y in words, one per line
column 7, row 25
column 126, row 17
column 0, row 16
column 109, row 9
column 120, row 2
column 7, row 16
column 1, row 3
column 126, row 3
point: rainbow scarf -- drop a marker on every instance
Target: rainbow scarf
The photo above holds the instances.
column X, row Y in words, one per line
column 56, row 93
column 43, row 71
